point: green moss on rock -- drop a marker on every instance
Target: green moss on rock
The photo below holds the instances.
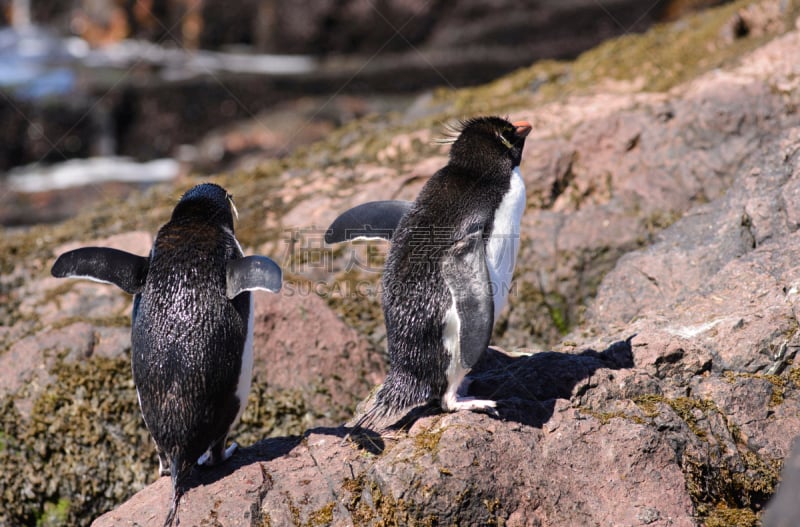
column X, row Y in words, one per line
column 54, row 514
column 606, row 417
column 724, row 517
column 663, row 57
column 428, row 440
column 272, row 412
column 83, row 450
column 321, row 516
column 724, row 486
column 378, row 509
column 685, row 407
column 794, row 377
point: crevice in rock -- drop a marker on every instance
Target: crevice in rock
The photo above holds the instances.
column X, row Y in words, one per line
column 257, row 518
column 563, row 179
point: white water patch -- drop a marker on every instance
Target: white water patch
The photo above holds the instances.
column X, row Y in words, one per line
column 78, row 172
column 181, row 63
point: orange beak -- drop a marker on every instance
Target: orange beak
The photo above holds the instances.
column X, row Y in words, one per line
column 523, row 128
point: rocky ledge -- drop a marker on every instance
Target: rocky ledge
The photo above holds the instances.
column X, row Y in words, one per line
column 661, row 228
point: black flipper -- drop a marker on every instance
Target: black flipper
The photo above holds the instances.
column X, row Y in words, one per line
column 123, row 269
column 253, row 272
column 467, row 277
column 376, row 219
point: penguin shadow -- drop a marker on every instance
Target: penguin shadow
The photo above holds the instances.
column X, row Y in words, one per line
column 526, row 387
column 274, row 448
column 264, row 450
column 363, row 438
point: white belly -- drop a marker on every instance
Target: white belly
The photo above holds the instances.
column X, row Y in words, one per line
column 501, row 251
column 246, row 374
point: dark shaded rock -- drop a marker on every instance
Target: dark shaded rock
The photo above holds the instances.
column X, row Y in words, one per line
column 526, row 387
column 27, row 208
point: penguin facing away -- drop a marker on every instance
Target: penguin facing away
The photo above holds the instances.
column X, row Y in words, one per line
column 192, row 327
column 449, row 267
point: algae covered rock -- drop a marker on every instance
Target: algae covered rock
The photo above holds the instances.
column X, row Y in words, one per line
column 82, row 447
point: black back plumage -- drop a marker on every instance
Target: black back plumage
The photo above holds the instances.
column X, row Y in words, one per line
column 459, row 199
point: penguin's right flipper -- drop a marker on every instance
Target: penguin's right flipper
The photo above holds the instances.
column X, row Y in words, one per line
column 251, row 273
column 376, row 219
column 103, row 264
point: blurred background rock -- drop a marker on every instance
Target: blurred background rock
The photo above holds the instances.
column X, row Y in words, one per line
column 212, row 85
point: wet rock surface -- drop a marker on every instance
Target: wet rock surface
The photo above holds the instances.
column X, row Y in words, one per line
column 657, row 267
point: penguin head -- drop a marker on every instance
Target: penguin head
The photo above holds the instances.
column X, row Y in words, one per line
column 207, row 202
column 485, row 142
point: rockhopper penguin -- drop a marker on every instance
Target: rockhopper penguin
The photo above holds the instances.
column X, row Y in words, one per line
column 192, row 327
column 449, row 267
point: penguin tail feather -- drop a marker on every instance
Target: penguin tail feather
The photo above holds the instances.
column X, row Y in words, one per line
column 365, row 422
column 390, row 406
column 176, row 496
column 362, row 422
column 180, row 472
column 370, row 416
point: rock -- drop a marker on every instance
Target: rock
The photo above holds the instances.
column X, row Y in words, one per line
column 18, row 208
column 348, row 27
column 428, row 473
column 401, row 47
column 301, row 345
column 45, row 133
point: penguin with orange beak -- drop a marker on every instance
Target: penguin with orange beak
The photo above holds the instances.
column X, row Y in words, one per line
column 449, row 268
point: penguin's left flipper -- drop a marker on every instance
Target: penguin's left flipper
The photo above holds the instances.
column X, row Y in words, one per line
column 252, row 273
column 467, row 277
column 103, row 264
column 368, row 221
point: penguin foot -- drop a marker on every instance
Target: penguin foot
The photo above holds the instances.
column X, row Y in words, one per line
column 210, row 460
column 454, row 404
column 204, row 459
column 229, row 451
